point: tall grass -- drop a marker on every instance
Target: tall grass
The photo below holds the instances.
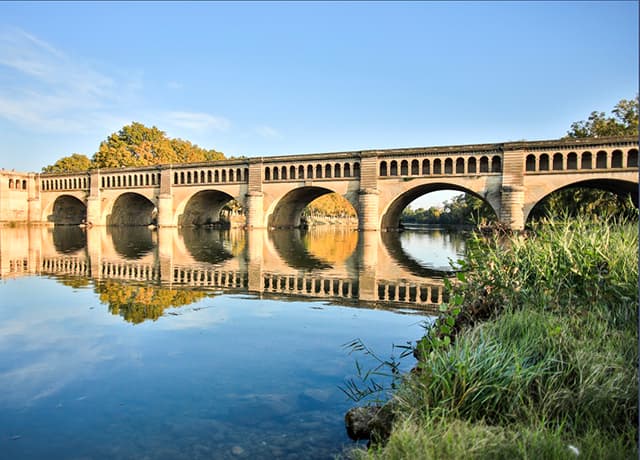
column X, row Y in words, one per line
column 553, row 362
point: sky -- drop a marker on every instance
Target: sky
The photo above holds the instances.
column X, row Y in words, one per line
column 279, row 78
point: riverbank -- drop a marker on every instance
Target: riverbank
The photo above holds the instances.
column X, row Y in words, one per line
column 537, row 355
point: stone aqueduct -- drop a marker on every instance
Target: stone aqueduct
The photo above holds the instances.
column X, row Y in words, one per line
column 512, row 177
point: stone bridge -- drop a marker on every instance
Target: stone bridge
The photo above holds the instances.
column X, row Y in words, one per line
column 512, row 177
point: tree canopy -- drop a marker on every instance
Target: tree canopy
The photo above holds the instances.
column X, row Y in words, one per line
column 136, row 145
column 75, row 162
column 623, row 122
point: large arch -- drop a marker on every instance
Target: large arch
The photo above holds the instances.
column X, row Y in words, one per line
column 68, row 210
column 391, row 215
column 286, row 212
column 132, row 209
column 619, row 187
column 203, row 208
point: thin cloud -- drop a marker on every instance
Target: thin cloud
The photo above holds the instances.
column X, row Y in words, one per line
column 45, row 90
column 268, row 132
column 197, row 121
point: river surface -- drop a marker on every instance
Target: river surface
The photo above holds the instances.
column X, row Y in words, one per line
column 120, row 343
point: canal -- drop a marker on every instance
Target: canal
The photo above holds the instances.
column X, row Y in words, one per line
column 200, row 343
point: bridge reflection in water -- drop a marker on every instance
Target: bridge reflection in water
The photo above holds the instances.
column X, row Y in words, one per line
column 362, row 268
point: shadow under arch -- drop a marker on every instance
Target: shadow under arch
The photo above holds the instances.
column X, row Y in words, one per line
column 391, row 217
column 287, row 211
column 393, row 244
column 132, row 242
column 208, row 245
column 204, row 208
column 621, row 188
column 289, row 245
column 132, row 209
column 69, row 239
column 68, row 210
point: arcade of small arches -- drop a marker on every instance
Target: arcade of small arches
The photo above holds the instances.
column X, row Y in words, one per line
column 559, row 161
column 438, row 166
column 318, row 171
column 17, row 184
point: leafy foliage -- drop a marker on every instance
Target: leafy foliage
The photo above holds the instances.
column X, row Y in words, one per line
column 76, row 162
column 463, row 209
column 624, row 122
column 136, row 145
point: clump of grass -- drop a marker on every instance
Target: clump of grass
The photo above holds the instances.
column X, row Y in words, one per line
column 541, row 352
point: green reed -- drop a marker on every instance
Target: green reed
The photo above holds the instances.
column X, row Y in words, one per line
column 540, row 352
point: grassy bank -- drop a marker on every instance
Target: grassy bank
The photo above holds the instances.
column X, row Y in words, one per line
column 537, row 357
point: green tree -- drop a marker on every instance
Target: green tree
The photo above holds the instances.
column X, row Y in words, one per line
column 624, row 122
column 139, row 145
column 76, row 162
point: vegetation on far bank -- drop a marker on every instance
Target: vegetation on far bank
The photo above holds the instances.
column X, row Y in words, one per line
column 535, row 356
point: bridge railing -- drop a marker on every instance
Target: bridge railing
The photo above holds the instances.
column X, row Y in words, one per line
column 210, row 175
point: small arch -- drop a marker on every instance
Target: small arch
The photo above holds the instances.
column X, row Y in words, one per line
column 175, row 178
column 283, row 173
column 530, row 163
column 557, row 162
column 292, row 172
column 356, row 170
column 415, row 167
column 448, row 166
column 327, row 171
column 231, row 175
column 309, row 172
column 216, row 175
column 426, row 167
column 393, row 169
column 300, row 172
column 209, row 176
column 238, row 174
column 496, row 164
column 10, row 183
column 484, row 164
column 202, row 177
column 318, row 172
column 347, row 169
column 135, row 180
column 616, row 159
column 337, row 170
column 572, row 160
column 146, row 179
column 24, row 185
column 267, row 174
column 119, row 181
column 601, row 160
column 632, row 158
column 586, row 160
column 404, row 168
column 437, row 166
column 460, row 166
column 223, row 175
column 544, row 162
column 104, row 182
column 276, row 173
column 471, row 165
column 182, row 178
column 383, row 168
column 246, row 174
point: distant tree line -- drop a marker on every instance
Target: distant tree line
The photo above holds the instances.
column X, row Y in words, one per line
column 463, row 209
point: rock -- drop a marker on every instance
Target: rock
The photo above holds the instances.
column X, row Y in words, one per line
column 237, row 450
column 369, row 422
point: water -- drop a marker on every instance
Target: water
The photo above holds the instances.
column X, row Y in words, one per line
column 132, row 343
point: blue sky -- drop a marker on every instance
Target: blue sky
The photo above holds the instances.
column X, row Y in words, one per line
column 259, row 79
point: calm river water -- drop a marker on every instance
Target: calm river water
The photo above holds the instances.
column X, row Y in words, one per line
column 199, row 343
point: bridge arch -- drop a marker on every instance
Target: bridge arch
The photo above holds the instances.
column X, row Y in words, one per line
column 287, row 210
column 132, row 209
column 202, row 208
column 390, row 215
column 618, row 186
column 67, row 210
